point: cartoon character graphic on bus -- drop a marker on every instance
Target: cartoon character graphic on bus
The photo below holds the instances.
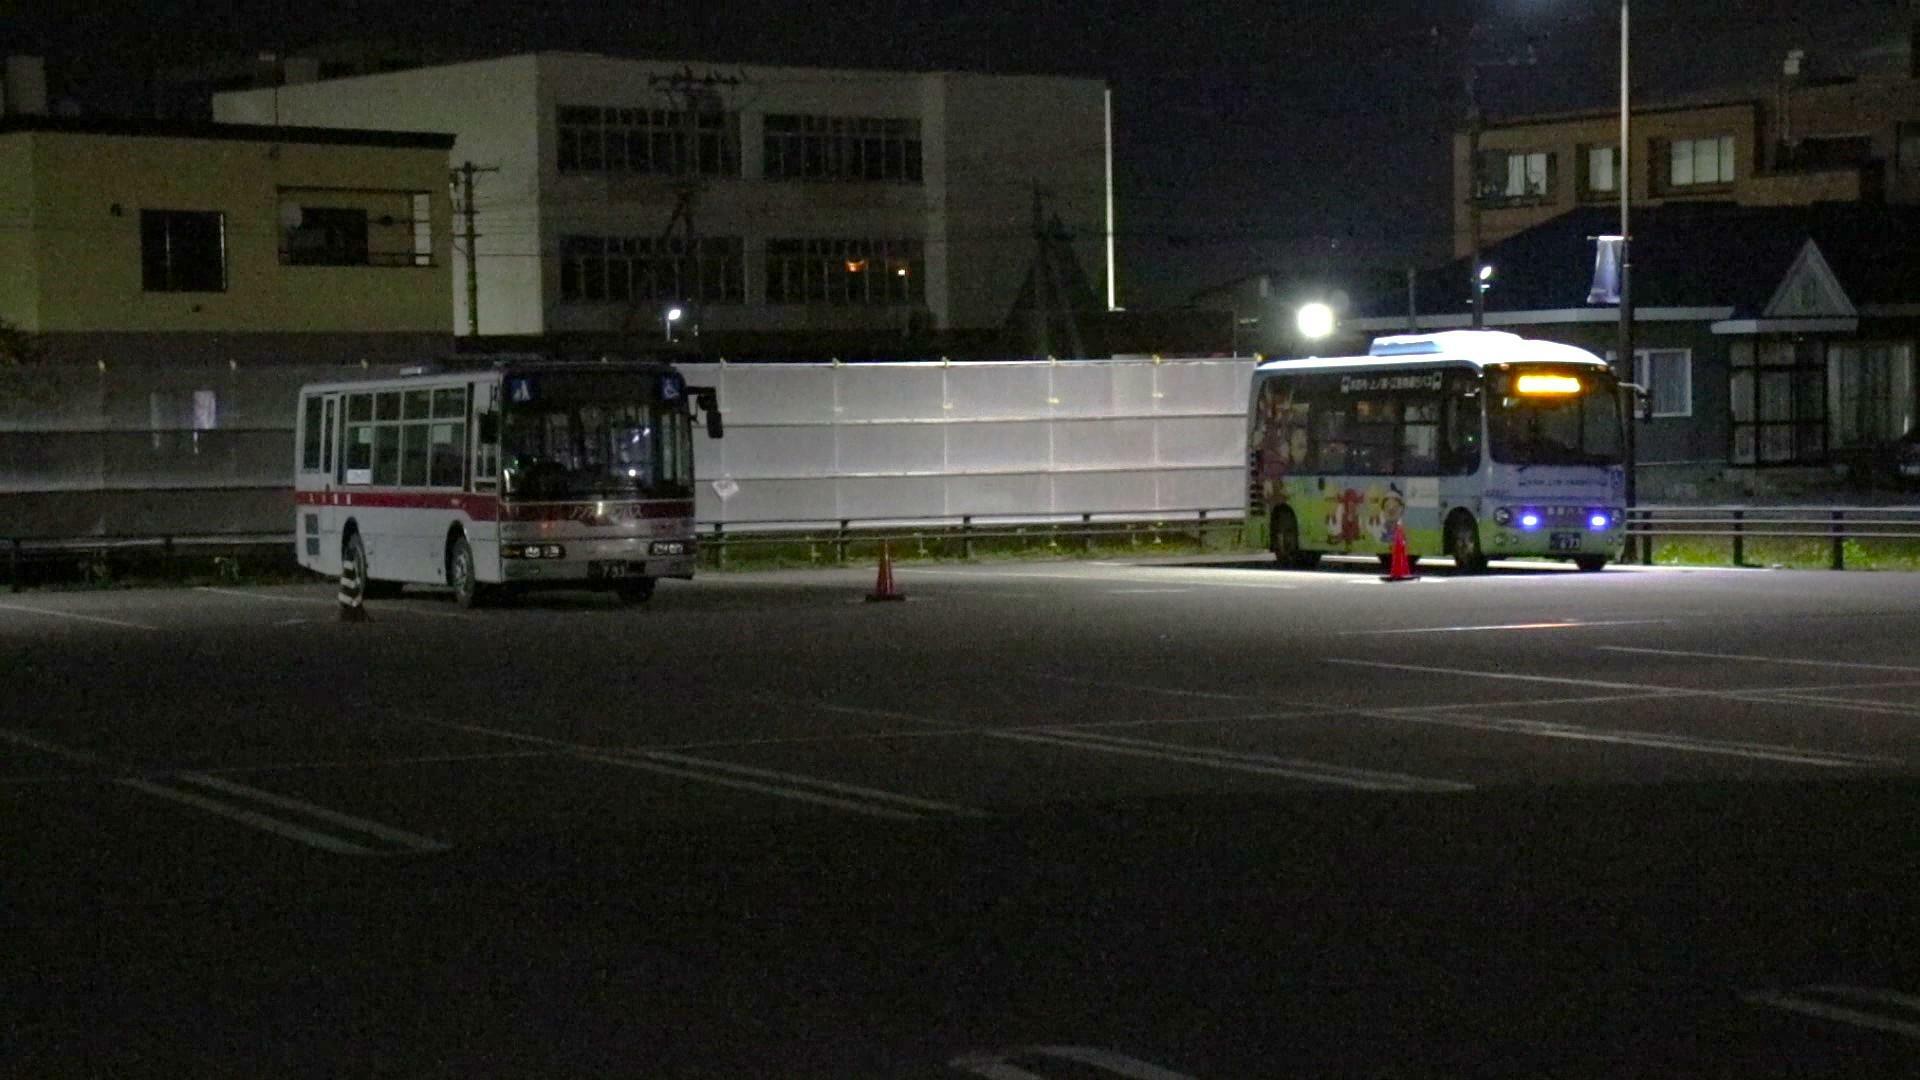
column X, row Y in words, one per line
column 1386, row 508
column 1343, row 517
column 1276, row 441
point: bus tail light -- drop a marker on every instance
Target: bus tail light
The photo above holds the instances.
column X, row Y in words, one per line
column 533, row 551
column 670, row 547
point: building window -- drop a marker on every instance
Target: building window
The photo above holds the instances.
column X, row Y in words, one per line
column 1907, row 146
column 1696, row 162
column 327, row 236
column 855, row 272
column 654, row 142
column 334, row 227
column 1667, row 377
column 1779, row 399
column 183, row 251
column 1515, row 176
column 842, row 148
column 1871, row 387
column 643, row 269
column 1597, row 175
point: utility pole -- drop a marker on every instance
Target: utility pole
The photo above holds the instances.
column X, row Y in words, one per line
column 692, row 96
column 1473, row 188
column 464, row 177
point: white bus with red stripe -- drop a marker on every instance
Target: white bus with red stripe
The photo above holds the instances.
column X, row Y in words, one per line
column 520, row 474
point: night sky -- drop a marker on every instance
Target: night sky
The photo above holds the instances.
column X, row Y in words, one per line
column 1249, row 134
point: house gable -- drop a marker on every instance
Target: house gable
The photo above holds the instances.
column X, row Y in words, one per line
column 1810, row 290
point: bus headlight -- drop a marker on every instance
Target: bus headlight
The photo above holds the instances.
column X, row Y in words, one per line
column 1599, row 520
column 1529, row 520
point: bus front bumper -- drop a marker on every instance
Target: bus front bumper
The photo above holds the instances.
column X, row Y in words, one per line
column 596, row 562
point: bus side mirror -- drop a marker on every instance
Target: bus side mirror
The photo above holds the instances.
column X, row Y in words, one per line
column 489, row 427
column 708, row 400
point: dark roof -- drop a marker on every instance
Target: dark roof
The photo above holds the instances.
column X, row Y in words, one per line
column 194, row 129
column 1686, row 255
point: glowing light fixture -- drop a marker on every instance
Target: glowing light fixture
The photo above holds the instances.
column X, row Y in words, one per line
column 1314, row 320
column 1546, row 384
column 1598, row 522
column 1529, row 521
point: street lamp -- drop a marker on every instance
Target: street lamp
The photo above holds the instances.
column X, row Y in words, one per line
column 1314, row 320
column 673, row 316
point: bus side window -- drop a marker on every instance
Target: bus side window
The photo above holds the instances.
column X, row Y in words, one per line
column 310, row 433
column 1460, row 428
column 327, row 429
column 486, row 448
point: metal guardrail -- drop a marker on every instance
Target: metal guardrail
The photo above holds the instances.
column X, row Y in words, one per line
column 1834, row 524
column 966, row 529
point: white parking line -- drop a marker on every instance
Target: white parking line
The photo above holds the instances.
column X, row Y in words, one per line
column 1314, row 772
column 410, row 841
column 1501, row 626
column 403, row 609
column 1792, row 755
column 121, row 623
column 1902, row 1019
column 1510, row 676
column 1791, row 661
column 729, row 775
column 810, row 781
column 244, row 816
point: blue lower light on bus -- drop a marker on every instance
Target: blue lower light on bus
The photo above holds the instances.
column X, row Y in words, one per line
column 1599, row 521
column 1529, row 520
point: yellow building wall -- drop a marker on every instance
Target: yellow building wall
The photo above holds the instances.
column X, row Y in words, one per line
column 91, row 189
column 18, row 282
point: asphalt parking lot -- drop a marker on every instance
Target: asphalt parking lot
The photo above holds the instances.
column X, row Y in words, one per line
column 1685, row 793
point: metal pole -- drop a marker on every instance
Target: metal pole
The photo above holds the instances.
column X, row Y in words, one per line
column 1473, row 190
column 1413, row 300
column 1625, row 182
column 1839, row 540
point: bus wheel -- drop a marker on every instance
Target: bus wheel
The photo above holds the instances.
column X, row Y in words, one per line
column 1590, row 563
column 1285, row 542
column 1463, row 543
column 636, row 591
column 462, row 575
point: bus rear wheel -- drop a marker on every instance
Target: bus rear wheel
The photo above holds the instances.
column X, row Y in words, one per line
column 1463, row 543
column 1285, row 542
column 463, row 575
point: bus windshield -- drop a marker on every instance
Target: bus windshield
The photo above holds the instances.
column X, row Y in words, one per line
column 1554, row 416
column 595, row 436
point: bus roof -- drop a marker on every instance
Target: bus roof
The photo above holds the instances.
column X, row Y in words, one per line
column 1449, row 348
column 482, row 368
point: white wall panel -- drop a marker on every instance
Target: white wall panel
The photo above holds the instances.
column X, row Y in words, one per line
column 1103, row 444
column 997, row 447
column 892, row 448
column 996, row 391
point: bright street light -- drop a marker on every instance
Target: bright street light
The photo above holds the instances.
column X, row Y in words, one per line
column 672, row 316
column 1314, row 320
column 1486, row 273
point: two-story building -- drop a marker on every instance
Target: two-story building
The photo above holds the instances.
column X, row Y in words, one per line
column 1853, row 140
column 166, row 287
column 785, row 202
column 148, row 239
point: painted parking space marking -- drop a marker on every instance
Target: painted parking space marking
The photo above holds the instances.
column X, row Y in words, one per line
column 1079, row 1060
column 1871, row 1007
column 1569, row 625
column 1315, row 772
column 102, row 620
column 852, row 798
column 400, row 606
column 1546, row 729
column 1559, row 680
column 1789, row 661
column 233, row 808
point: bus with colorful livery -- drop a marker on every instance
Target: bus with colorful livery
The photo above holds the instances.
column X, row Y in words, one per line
column 1478, row 444
column 508, row 475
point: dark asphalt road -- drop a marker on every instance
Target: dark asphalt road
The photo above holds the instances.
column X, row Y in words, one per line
column 1052, row 820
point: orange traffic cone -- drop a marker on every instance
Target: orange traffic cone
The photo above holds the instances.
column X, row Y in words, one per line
column 1401, row 568
column 883, row 585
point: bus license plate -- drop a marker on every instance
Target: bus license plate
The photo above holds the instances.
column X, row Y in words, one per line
column 607, row 570
column 1563, row 542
